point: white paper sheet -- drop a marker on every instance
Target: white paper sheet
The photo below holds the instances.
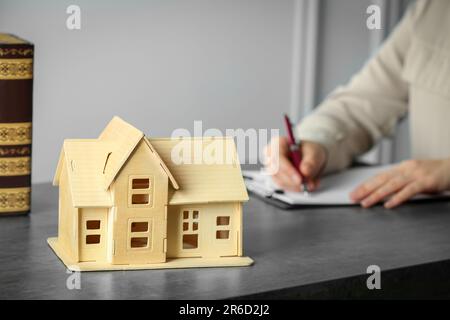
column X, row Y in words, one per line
column 334, row 189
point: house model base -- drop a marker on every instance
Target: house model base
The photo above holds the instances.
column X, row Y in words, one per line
column 127, row 202
column 177, row 263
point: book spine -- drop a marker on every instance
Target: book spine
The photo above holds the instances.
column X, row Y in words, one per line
column 16, row 94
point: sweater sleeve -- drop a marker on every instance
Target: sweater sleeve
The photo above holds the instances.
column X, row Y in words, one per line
column 357, row 115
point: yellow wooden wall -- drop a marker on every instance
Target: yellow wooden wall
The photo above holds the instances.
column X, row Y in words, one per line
column 96, row 248
column 208, row 244
column 141, row 162
column 68, row 219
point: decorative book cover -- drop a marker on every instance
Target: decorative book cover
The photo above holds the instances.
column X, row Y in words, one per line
column 16, row 94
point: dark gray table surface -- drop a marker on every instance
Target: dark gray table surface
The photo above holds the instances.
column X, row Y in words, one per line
column 291, row 249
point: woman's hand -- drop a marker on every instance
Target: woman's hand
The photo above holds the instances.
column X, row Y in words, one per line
column 283, row 172
column 404, row 182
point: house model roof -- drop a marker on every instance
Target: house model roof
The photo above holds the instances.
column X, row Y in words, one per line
column 124, row 138
column 85, row 159
column 200, row 181
column 93, row 165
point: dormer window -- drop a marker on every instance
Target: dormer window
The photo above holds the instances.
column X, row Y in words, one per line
column 140, row 191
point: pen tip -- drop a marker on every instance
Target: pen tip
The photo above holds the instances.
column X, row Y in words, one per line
column 305, row 189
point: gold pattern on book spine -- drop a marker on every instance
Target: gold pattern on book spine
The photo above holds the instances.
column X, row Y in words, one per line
column 16, row 69
column 15, row 133
column 15, row 166
column 14, row 199
column 15, row 151
column 25, row 52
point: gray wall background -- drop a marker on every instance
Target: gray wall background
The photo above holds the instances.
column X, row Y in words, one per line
column 162, row 64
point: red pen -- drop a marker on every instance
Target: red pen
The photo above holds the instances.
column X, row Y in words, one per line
column 295, row 153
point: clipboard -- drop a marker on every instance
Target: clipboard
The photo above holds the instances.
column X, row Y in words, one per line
column 333, row 192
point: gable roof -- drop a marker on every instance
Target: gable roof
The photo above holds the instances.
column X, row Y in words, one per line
column 201, row 182
column 93, row 164
column 124, row 138
column 84, row 160
column 163, row 165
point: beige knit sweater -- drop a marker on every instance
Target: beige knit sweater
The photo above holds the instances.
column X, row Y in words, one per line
column 410, row 73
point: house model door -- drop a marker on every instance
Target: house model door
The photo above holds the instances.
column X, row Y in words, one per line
column 92, row 239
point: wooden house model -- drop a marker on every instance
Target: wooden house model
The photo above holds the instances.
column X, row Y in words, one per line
column 124, row 204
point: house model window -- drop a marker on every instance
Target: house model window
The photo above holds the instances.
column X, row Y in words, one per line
column 141, row 191
column 223, row 227
column 92, row 232
column 190, row 229
column 140, row 234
